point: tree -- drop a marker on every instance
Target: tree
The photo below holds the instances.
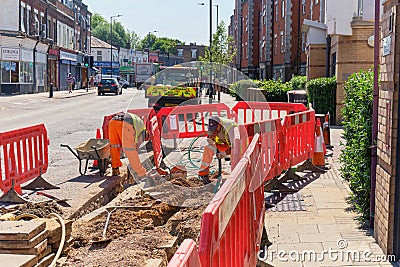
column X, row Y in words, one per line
column 221, row 47
column 134, row 40
column 101, row 29
column 164, row 44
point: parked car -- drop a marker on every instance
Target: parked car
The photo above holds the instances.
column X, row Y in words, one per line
column 124, row 83
column 109, row 85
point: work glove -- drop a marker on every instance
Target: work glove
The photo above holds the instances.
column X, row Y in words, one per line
column 221, row 155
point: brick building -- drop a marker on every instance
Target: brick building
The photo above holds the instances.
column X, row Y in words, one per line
column 387, row 192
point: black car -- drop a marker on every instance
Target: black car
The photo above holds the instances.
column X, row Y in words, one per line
column 109, row 85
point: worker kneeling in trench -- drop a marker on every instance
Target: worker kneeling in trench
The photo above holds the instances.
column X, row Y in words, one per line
column 128, row 131
column 220, row 140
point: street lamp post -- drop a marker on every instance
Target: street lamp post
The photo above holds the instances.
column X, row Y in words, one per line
column 111, row 46
column 148, row 45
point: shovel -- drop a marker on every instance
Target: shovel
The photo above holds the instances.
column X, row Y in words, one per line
column 103, row 238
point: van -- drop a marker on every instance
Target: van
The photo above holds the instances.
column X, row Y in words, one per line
column 124, row 84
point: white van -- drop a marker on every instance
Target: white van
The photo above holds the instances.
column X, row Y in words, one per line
column 124, row 84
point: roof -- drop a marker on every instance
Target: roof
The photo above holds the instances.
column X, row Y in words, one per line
column 97, row 43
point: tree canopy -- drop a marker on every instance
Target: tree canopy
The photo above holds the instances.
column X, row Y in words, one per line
column 124, row 38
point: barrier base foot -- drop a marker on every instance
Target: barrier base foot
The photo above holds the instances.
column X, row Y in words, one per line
column 40, row 183
column 308, row 166
column 290, row 175
column 263, row 264
column 12, row 197
column 276, row 185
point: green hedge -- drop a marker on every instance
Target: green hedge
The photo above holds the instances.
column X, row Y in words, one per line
column 237, row 89
column 274, row 91
column 322, row 95
column 297, row 83
column 357, row 123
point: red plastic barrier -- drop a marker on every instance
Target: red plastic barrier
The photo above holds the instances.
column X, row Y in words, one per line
column 232, row 224
column 248, row 112
column 145, row 114
column 188, row 121
column 186, row 255
column 298, row 138
column 24, row 153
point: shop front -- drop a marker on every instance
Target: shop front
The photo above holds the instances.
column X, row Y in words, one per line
column 23, row 64
column 67, row 64
column 128, row 73
column 105, row 67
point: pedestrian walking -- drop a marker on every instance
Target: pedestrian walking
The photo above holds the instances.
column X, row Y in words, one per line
column 70, row 82
column 91, row 82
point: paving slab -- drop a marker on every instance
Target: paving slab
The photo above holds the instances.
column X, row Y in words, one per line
column 20, row 230
column 24, row 244
column 10, row 260
column 38, row 249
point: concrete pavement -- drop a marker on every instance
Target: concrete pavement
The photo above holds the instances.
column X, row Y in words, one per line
column 327, row 233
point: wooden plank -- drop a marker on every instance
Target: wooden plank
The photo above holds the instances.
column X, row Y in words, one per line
column 20, row 230
column 24, row 244
column 46, row 261
column 11, row 260
column 38, row 249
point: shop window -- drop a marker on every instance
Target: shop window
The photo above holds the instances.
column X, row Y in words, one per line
column 26, row 72
column 10, row 72
column 41, row 70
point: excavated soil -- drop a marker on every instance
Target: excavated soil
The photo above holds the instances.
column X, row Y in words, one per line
column 139, row 229
column 42, row 209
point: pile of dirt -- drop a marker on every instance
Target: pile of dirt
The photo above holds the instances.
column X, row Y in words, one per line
column 187, row 182
column 186, row 223
column 41, row 209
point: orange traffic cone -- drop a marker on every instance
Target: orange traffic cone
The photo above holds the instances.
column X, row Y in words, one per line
column 327, row 132
column 319, row 155
column 98, row 136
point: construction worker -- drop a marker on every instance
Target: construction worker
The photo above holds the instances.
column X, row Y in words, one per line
column 127, row 131
column 220, row 140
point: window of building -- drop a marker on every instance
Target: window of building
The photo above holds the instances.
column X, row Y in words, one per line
column 391, row 21
column 303, row 6
column 99, row 56
column 282, row 42
column 180, row 52
column 316, row 2
column 28, row 15
column 9, row 72
column 26, row 72
column 23, row 29
column 276, row 45
column 194, row 53
column 333, row 71
column 283, row 8
column 276, row 11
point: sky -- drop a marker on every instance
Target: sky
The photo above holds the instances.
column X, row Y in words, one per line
column 185, row 20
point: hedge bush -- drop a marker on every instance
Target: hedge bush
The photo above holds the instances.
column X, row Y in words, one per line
column 357, row 123
column 297, row 83
column 322, row 95
column 237, row 89
column 274, row 91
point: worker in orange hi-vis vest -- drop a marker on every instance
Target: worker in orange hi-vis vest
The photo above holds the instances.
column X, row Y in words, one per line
column 127, row 131
column 220, row 140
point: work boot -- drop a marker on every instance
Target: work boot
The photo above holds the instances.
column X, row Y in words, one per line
column 205, row 179
column 115, row 172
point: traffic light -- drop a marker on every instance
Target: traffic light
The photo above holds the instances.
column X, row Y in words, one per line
column 88, row 61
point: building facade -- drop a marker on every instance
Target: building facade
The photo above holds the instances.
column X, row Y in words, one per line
column 40, row 42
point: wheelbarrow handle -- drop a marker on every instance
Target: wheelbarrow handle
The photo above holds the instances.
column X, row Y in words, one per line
column 72, row 151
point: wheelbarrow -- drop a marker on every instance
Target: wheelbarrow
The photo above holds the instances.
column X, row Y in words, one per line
column 92, row 149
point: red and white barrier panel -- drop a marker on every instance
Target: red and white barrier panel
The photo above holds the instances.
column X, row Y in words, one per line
column 23, row 155
column 189, row 121
column 247, row 112
column 232, row 224
column 186, row 255
column 298, row 138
